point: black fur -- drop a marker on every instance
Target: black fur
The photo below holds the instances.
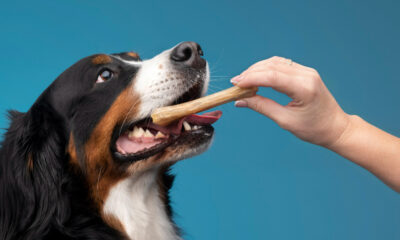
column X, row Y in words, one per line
column 42, row 196
column 49, row 200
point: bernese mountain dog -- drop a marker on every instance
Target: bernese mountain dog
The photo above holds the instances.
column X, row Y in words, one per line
column 86, row 161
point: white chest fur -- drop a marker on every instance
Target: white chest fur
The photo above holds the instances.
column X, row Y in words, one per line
column 136, row 203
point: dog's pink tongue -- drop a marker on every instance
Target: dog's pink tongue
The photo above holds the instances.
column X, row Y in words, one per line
column 126, row 145
column 176, row 127
column 203, row 119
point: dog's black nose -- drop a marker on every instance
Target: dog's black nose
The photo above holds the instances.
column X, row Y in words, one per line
column 189, row 54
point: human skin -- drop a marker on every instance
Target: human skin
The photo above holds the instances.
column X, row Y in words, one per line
column 314, row 116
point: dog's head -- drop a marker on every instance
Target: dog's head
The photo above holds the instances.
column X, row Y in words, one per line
column 91, row 130
column 106, row 101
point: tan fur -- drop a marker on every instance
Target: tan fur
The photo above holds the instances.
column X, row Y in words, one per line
column 101, row 59
column 101, row 171
column 72, row 151
column 133, row 54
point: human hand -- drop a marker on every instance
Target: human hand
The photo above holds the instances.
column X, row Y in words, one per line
column 313, row 114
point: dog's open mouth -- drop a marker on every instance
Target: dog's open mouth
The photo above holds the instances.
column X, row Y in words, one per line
column 143, row 139
column 146, row 138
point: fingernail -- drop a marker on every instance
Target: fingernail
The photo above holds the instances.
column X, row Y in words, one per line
column 240, row 103
column 236, row 79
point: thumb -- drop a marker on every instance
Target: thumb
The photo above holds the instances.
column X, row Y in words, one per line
column 265, row 106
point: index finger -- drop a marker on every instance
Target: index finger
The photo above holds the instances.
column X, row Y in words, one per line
column 286, row 64
column 280, row 81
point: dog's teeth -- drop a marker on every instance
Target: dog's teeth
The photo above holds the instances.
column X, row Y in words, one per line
column 130, row 135
column 138, row 132
column 160, row 135
column 186, row 125
column 195, row 127
column 148, row 133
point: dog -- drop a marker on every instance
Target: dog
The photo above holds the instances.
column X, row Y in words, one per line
column 86, row 161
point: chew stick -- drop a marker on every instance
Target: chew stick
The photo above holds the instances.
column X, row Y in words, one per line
column 165, row 115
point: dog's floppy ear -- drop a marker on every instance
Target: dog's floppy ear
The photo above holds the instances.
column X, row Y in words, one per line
column 40, row 197
column 32, row 165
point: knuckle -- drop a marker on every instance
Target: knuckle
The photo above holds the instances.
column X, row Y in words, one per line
column 271, row 74
column 314, row 71
column 276, row 59
column 315, row 77
column 267, row 66
column 257, row 105
column 263, row 62
column 316, row 81
column 273, row 58
column 311, row 88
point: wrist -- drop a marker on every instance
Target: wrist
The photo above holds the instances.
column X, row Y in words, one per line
column 344, row 132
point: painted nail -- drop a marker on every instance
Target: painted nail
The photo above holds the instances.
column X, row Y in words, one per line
column 240, row 103
column 236, row 79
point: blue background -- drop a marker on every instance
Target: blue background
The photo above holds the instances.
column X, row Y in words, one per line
column 257, row 181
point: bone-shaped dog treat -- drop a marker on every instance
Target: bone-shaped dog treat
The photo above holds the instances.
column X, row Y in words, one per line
column 166, row 115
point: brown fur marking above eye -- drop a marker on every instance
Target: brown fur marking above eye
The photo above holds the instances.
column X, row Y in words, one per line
column 101, row 170
column 101, row 59
column 133, row 54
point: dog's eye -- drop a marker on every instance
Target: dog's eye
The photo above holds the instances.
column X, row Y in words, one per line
column 104, row 76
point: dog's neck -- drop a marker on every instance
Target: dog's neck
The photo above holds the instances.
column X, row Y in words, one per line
column 136, row 203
